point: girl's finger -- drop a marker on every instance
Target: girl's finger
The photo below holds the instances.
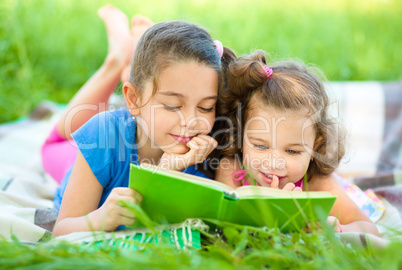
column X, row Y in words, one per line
column 275, row 182
column 127, row 199
column 289, row 186
column 123, row 191
column 200, row 145
column 137, row 197
column 126, row 220
column 210, row 142
column 297, row 189
column 193, row 145
column 202, row 142
column 125, row 212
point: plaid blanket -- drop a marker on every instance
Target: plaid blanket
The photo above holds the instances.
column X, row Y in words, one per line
column 26, row 193
column 371, row 112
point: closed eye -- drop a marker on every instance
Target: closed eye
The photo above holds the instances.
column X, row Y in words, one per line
column 171, row 108
column 207, row 109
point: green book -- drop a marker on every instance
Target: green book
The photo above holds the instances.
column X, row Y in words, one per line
column 171, row 197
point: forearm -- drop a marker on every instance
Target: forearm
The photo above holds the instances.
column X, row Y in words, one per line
column 75, row 224
column 360, row 226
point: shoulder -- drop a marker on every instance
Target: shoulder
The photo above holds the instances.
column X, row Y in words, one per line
column 107, row 142
column 325, row 183
column 104, row 125
column 118, row 119
column 331, row 183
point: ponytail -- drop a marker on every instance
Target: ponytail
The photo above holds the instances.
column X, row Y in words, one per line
column 243, row 77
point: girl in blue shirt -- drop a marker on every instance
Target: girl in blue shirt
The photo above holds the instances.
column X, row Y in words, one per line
column 171, row 96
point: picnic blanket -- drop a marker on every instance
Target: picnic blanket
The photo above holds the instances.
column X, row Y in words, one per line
column 372, row 115
column 371, row 112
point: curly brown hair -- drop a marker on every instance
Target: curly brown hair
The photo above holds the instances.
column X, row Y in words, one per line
column 292, row 86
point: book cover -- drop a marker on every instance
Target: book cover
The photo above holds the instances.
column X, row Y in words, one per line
column 171, row 197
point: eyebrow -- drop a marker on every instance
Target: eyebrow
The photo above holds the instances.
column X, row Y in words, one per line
column 257, row 139
column 264, row 141
column 174, row 94
column 298, row 144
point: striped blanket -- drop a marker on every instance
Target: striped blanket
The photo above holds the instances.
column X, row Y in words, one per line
column 371, row 112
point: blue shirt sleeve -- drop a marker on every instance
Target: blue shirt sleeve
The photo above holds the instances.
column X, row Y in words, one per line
column 94, row 143
column 194, row 171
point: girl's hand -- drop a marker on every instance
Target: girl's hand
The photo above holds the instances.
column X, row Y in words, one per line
column 288, row 186
column 331, row 220
column 200, row 147
column 112, row 214
column 334, row 222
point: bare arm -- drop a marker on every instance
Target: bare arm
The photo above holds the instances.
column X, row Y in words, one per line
column 350, row 216
column 79, row 208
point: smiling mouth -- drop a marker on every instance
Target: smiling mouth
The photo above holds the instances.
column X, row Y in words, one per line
column 182, row 139
column 268, row 177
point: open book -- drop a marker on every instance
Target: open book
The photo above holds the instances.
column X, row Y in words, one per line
column 172, row 197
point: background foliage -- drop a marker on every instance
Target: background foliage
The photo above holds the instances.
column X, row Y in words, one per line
column 48, row 49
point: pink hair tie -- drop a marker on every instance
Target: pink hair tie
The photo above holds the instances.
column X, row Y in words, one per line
column 240, row 175
column 219, row 47
column 268, row 71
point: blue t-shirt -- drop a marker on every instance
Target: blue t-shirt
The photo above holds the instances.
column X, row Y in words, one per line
column 108, row 143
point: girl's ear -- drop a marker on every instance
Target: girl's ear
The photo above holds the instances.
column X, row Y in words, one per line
column 131, row 95
column 318, row 144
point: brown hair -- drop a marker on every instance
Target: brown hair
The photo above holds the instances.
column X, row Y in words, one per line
column 168, row 43
column 292, row 86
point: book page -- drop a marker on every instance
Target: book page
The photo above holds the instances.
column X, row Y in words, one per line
column 188, row 177
column 257, row 191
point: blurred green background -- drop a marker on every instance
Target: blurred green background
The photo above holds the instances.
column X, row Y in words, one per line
column 49, row 48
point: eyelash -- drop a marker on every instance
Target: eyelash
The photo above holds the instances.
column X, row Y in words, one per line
column 264, row 147
column 261, row 147
column 171, row 108
column 291, row 152
column 207, row 110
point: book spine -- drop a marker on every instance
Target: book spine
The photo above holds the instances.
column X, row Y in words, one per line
column 231, row 195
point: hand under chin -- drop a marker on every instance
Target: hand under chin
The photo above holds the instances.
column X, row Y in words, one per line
column 177, row 150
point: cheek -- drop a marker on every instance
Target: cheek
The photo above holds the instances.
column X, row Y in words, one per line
column 253, row 160
column 159, row 117
column 298, row 166
column 207, row 123
column 201, row 124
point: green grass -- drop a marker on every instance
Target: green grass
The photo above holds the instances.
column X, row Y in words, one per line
column 48, row 49
column 233, row 247
column 243, row 248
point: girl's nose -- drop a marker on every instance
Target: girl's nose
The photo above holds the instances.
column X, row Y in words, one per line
column 193, row 122
column 188, row 119
column 274, row 161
